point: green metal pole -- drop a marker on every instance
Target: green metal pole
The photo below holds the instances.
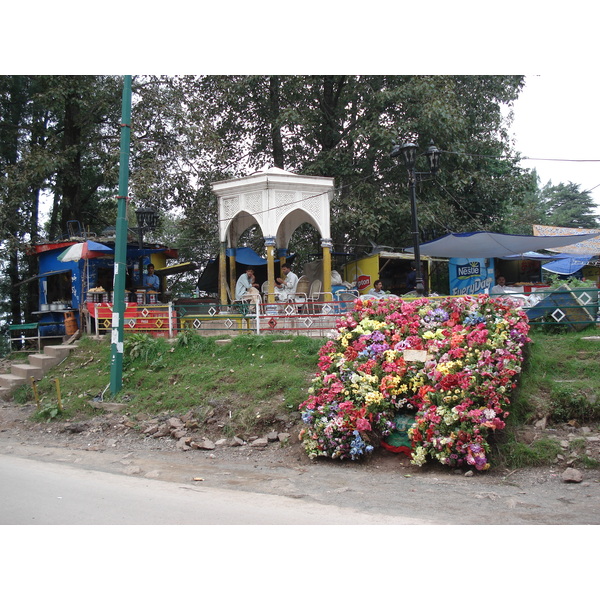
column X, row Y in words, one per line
column 118, row 315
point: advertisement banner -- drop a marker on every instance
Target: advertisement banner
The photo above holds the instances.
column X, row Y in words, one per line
column 470, row 276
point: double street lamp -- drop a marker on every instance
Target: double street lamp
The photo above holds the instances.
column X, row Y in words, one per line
column 147, row 220
column 408, row 154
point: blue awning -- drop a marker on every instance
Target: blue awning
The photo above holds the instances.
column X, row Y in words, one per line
column 539, row 256
column 567, row 266
column 246, row 256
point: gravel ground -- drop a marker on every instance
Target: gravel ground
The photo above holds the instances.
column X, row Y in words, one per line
column 386, row 483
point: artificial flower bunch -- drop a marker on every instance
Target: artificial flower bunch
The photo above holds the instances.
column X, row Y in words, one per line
column 450, row 361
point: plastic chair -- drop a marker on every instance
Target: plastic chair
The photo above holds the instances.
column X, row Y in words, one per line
column 346, row 300
column 314, row 295
column 264, row 290
column 300, row 296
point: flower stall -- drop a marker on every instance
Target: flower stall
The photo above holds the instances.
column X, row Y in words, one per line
column 446, row 366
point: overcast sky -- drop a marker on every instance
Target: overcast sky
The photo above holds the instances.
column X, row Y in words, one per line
column 556, row 117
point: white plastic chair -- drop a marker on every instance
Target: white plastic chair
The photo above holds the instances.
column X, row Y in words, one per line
column 346, row 300
column 314, row 295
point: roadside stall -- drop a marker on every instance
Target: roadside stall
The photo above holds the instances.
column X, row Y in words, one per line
column 76, row 284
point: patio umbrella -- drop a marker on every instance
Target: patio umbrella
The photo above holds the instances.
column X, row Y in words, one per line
column 83, row 250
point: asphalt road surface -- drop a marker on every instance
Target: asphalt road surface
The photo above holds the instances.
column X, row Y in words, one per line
column 40, row 493
column 65, row 486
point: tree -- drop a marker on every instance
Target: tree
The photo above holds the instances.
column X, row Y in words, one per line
column 567, row 206
column 527, row 210
column 19, row 195
column 58, row 136
column 343, row 126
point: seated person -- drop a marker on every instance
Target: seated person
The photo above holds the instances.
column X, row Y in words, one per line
column 246, row 288
column 286, row 285
column 499, row 288
column 377, row 290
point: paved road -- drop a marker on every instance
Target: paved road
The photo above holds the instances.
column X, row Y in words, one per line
column 44, row 493
column 62, row 485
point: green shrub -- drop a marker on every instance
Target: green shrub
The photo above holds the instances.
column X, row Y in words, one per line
column 144, row 347
column 567, row 404
column 48, row 412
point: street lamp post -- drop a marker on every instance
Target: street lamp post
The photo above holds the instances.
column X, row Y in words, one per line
column 147, row 220
column 408, row 153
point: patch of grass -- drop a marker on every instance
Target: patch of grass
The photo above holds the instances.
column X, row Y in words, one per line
column 515, row 455
column 569, row 403
column 577, row 444
column 588, row 463
column 246, row 381
column 559, row 379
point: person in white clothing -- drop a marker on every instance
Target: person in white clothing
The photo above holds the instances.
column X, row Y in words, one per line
column 286, row 285
column 377, row 290
column 246, row 288
column 499, row 288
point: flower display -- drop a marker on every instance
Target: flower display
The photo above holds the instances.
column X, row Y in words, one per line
column 450, row 362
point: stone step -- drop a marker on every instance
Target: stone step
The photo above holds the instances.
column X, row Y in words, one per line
column 61, row 351
column 44, row 361
column 10, row 381
column 5, row 393
column 26, row 371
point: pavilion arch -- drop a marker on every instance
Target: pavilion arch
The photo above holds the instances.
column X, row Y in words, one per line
column 278, row 202
column 290, row 223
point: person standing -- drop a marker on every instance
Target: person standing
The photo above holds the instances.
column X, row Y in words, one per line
column 151, row 281
column 411, row 278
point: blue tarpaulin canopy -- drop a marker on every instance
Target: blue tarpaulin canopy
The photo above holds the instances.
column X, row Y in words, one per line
column 485, row 244
column 246, row 256
column 539, row 256
column 567, row 266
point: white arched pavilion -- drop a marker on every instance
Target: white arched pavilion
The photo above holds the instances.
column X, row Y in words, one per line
column 278, row 202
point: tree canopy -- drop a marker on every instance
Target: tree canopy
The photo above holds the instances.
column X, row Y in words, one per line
column 567, row 206
column 59, row 141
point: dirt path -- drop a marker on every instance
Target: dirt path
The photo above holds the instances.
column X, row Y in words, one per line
column 386, row 483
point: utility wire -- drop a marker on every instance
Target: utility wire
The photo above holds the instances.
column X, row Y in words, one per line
column 520, row 157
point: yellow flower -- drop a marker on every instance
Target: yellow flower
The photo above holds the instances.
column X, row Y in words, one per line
column 372, row 397
column 390, row 355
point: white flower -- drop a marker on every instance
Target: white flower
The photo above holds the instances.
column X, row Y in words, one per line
column 489, row 413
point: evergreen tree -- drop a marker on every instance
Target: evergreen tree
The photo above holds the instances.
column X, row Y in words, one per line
column 567, row 206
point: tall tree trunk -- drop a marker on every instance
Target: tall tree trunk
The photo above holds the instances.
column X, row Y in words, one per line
column 330, row 128
column 10, row 153
column 276, row 139
column 32, row 302
column 71, row 206
column 54, row 226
